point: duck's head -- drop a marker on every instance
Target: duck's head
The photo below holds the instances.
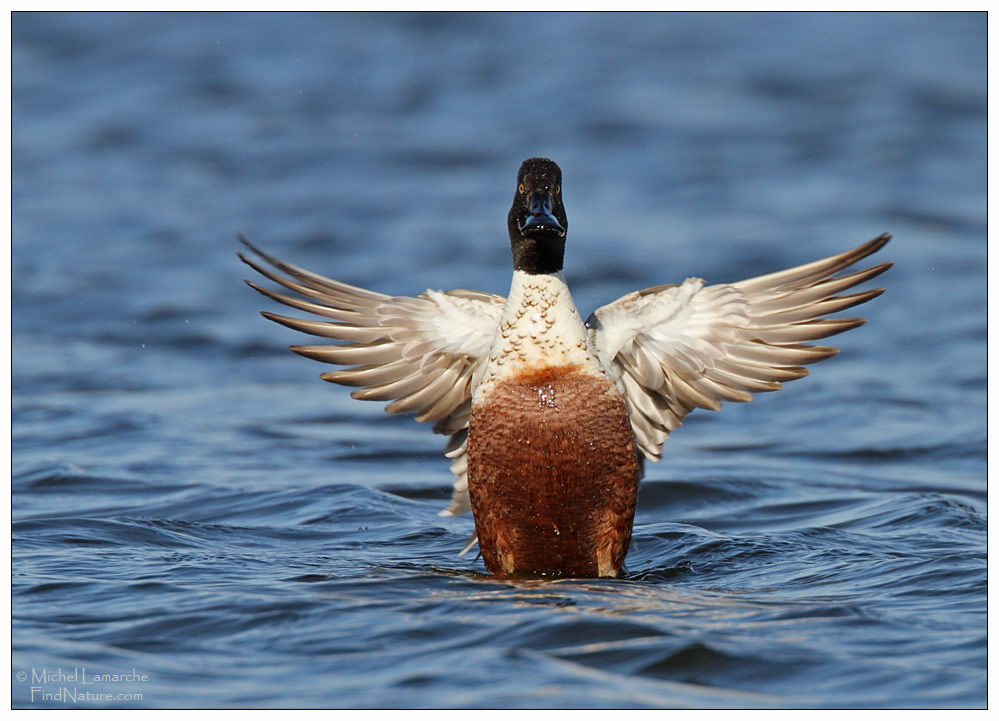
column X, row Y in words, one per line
column 537, row 221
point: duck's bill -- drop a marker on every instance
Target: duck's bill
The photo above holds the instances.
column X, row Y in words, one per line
column 542, row 225
column 541, row 221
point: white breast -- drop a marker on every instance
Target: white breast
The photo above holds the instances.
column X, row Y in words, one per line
column 540, row 328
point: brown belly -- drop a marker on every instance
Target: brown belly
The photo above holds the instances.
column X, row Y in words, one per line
column 552, row 476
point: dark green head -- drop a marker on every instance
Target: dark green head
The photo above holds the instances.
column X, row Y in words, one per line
column 537, row 221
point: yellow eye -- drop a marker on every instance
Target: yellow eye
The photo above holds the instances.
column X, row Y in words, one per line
column 558, row 189
column 521, row 188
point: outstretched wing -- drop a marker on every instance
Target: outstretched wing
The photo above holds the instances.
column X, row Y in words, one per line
column 673, row 348
column 425, row 354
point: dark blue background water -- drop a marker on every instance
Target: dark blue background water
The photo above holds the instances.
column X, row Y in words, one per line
column 192, row 502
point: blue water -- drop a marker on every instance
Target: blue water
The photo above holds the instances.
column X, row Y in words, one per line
column 195, row 511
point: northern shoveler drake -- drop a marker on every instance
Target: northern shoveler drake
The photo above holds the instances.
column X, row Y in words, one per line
column 549, row 418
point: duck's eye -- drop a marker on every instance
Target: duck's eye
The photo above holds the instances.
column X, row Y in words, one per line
column 558, row 189
column 521, row 188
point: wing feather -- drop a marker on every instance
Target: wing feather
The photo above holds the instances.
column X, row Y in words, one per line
column 424, row 354
column 673, row 348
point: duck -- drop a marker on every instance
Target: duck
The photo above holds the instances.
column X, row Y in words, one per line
column 551, row 419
